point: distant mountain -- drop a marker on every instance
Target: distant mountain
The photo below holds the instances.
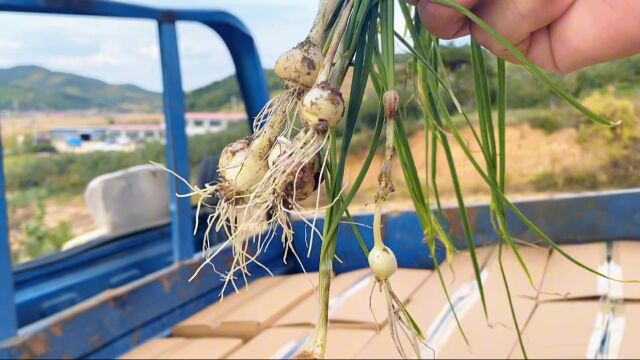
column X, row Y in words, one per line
column 36, row 88
column 221, row 94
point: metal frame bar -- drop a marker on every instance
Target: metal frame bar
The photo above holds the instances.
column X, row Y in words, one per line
column 8, row 310
column 177, row 144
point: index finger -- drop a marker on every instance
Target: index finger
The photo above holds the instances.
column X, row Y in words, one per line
column 443, row 21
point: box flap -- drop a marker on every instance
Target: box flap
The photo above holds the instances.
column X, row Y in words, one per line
column 497, row 337
column 535, row 259
column 261, row 311
column 630, row 333
column 355, row 308
column 625, row 255
column 305, row 313
column 153, row 348
column 285, row 342
column 561, row 329
column 204, row 322
column 428, row 306
column 204, row 348
column 564, row 279
column 349, row 303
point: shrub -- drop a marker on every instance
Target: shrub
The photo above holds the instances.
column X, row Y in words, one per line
column 72, row 172
column 39, row 239
column 607, row 105
column 547, row 121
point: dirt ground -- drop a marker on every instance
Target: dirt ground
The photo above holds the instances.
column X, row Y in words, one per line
column 530, row 152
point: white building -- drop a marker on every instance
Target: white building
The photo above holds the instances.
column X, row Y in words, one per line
column 128, row 133
column 199, row 123
column 125, row 137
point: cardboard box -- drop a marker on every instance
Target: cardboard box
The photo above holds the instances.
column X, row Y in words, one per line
column 262, row 310
column 203, row 348
column 285, row 342
column 629, row 314
column 562, row 329
column 535, row 259
column 349, row 303
column 205, row 322
column 566, row 280
column 181, row 348
column 427, row 305
column 495, row 337
column 459, row 273
column 152, row 349
column 625, row 255
column 382, row 346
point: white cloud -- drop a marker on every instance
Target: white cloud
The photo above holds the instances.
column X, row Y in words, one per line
column 126, row 51
column 150, row 50
column 9, row 44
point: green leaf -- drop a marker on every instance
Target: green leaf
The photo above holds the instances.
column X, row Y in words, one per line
column 528, row 65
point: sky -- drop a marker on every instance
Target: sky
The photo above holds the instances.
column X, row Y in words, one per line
column 126, row 51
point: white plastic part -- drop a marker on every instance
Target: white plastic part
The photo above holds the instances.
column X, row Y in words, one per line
column 126, row 201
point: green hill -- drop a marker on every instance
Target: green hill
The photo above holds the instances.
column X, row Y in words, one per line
column 36, row 88
column 219, row 94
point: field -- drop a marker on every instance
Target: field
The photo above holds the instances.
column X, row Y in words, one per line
column 46, row 193
column 42, row 122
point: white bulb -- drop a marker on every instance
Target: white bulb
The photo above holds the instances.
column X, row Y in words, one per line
column 299, row 66
column 281, row 146
column 322, row 103
column 238, row 168
column 382, row 262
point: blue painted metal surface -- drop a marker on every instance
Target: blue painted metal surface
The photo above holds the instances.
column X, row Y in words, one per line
column 116, row 320
column 407, row 243
column 9, row 323
column 98, row 269
column 587, row 217
column 177, row 149
column 59, row 281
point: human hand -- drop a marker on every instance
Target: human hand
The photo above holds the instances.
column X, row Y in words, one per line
column 557, row 35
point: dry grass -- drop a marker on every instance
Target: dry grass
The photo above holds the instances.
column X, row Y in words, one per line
column 530, row 152
column 14, row 125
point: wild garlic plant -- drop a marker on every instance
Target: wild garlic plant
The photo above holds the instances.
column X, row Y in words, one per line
column 266, row 176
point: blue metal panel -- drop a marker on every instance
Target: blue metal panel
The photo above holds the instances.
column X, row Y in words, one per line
column 591, row 217
column 7, row 303
column 407, row 244
column 404, row 235
column 587, row 217
column 59, row 281
column 119, row 319
column 161, row 326
column 64, row 289
column 177, row 146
